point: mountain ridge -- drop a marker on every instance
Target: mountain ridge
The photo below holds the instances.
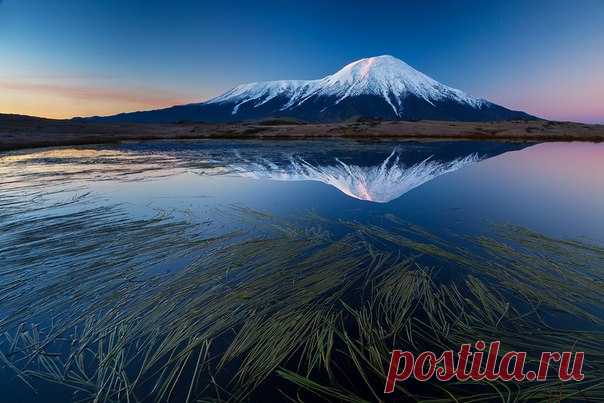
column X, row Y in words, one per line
column 380, row 75
column 378, row 87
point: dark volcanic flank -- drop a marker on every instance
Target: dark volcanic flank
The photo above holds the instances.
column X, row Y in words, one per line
column 379, row 87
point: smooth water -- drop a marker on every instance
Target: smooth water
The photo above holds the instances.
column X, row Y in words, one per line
column 143, row 212
column 554, row 188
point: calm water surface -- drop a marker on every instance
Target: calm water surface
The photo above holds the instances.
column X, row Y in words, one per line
column 140, row 207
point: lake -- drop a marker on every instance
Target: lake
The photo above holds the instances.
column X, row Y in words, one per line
column 275, row 270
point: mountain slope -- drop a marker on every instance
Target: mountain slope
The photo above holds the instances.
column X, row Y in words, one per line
column 382, row 87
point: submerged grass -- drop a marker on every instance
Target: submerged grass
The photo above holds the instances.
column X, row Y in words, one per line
column 169, row 307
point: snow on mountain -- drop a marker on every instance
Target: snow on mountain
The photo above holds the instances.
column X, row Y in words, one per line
column 383, row 76
column 381, row 87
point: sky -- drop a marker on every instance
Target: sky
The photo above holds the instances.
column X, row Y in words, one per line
column 65, row 58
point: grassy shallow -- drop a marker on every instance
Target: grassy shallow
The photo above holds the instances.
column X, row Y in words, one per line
column 169, row 306
column 286, row 308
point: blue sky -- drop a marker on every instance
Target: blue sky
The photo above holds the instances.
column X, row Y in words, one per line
column 67, row 58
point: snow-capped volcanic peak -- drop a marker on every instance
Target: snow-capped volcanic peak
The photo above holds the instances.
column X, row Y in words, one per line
column 381, row 87
column 383, row 76
column 391, row 77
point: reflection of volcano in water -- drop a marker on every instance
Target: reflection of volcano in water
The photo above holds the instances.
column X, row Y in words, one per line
column 381, row 183
column 378, row 171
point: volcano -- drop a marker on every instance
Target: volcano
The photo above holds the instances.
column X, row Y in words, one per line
column 381, row 87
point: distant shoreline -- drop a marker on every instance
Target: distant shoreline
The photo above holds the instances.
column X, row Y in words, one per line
column 22, row 132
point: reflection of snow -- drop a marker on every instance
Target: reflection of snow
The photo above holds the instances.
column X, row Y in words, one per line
column 383, row 183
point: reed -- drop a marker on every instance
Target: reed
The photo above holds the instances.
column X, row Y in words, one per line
column 171, row 307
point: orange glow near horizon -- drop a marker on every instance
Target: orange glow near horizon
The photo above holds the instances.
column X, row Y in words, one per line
column 56, row 100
